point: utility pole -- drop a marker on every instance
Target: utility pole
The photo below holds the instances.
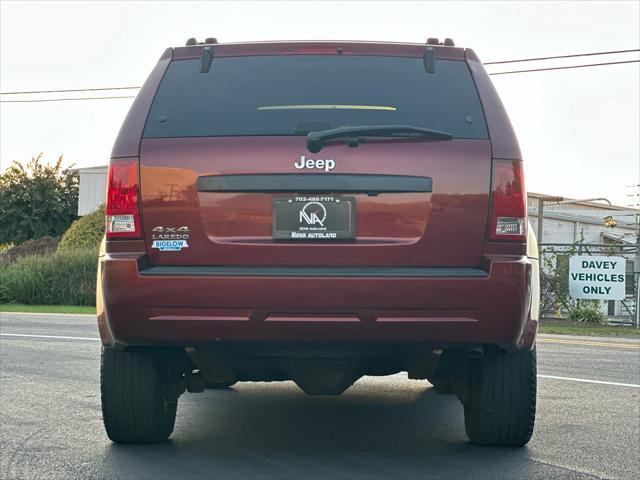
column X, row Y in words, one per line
column 636, row 258
column 636, row 270
column 540, row 218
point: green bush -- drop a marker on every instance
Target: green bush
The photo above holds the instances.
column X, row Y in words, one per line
column 86, row 232
column 587, row 311
column 61, row 278
column 36, row 200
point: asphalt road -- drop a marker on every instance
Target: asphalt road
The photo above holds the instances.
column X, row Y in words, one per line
column 382, row 428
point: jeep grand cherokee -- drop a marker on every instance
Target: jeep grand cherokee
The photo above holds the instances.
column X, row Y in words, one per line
column 316, row 212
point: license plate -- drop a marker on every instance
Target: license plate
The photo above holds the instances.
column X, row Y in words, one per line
column 314, row 217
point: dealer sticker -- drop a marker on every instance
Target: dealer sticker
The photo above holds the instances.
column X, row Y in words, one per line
column 169, row 245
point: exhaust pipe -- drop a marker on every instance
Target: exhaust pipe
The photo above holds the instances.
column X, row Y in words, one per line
column 195, row 382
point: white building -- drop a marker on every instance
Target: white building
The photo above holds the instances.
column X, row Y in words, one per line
column 568, row 221
column 93, row 188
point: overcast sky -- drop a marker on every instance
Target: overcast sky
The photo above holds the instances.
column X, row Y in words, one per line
column 579, row 129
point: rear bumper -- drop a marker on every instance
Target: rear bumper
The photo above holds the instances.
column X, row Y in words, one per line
column 433, row 306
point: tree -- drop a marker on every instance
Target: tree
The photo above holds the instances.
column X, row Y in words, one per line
column 36, row 200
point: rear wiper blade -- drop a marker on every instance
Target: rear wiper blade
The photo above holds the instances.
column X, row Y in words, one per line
column 316, row 139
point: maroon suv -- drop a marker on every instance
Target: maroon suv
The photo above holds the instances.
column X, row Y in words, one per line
column 316, row 212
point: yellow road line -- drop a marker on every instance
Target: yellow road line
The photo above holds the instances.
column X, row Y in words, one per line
column 590, row 343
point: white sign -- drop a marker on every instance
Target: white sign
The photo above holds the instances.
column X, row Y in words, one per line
column 600, row 278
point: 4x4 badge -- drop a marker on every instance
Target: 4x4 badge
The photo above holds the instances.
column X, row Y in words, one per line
column 171, row 229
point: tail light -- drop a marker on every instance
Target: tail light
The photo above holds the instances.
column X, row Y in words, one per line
column 508, row 202
column 123, row 215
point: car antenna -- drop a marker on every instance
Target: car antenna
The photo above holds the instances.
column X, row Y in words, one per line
column 206, row 59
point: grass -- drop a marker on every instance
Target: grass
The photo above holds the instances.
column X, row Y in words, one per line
column 563, row 327
column 61, row 278
column 17, row 307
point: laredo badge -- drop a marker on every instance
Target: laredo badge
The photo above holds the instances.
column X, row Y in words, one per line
column 169, row 245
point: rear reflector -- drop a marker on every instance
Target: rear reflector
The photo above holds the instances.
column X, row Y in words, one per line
column 508, row 202
column 123, row 217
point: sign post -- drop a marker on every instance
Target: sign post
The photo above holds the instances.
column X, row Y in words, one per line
column 636, row 271
column 597, row 277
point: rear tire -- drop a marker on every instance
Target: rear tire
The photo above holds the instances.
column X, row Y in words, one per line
column 134, row 387
column 500, row 408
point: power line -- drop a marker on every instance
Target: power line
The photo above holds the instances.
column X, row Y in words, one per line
column 573, row 55
column 65, row 99
column 564, row 68
column 133, row 96
column 69, row 90
column 101, row 89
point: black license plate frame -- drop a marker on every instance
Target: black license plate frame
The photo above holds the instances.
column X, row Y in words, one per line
column 314, row 218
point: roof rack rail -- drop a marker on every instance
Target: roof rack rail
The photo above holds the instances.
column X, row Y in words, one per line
column 207, row 41
column 448, row 42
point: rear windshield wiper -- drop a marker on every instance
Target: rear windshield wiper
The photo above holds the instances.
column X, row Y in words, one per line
column 317, row 139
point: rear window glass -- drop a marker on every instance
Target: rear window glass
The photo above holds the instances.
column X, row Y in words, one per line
column 290, row 95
